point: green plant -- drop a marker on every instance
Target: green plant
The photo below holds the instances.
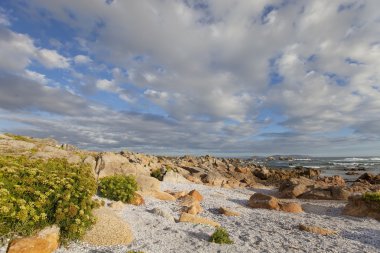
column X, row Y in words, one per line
column 158, row 173
column 118, row 187
column 221, row 236
column 372, row 196
column 36, row 193
column 19, row 137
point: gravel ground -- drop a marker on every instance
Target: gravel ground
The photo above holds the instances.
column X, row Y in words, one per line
column 256, row 230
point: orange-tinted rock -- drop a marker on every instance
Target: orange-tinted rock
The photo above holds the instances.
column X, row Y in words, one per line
column 259, row 200
column 196, row 195
column 291, row 207
column 316, row 230
column 185, row 217
column 138, row 200
column 228, row 212
column 46, row 241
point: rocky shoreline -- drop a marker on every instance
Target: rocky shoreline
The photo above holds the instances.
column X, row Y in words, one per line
column 270, row 209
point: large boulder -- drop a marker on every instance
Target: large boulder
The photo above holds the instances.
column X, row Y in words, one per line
column 330, row 193
column 196, row 195
column 174, row 177
column 295, row 187
column 109, row 229
column 148, row 183
column 46, row 241
column 359, row 207
column 214, row 179
column 109, row 164
column 259, row 200
column 190, row 205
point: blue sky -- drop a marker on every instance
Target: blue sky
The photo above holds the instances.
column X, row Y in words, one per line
column 194, row 77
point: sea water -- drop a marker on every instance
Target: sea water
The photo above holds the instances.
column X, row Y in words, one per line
column 330, row 166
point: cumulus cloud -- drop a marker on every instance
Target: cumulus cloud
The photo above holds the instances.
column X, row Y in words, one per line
column 219, row 67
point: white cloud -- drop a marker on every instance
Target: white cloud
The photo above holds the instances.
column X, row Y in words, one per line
column 52, row 59
column 38, row 77
column 82, row 59
column 107, row 85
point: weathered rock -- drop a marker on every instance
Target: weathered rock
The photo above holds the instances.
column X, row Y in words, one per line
column 214, row 179
column 228, row 212
column 148, row 183
column 370, row 178
column 332, row 181
column 108, row 230
column 177, row 195
column 191, row 205
column 292, row 191
column 262, row 173
column 259, row 200
column 174, row 177
column 244, row 170
column 331, row 193
column 185, row 217
column 359, row 207
column 316, row 230
column 46, row 241
column 196, row 195
column 163, row 213
column 137, row 200
column 291, row 207
column 159, row 195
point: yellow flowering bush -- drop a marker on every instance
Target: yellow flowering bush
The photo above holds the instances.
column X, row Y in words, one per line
column 36, row 193
column 118, row 187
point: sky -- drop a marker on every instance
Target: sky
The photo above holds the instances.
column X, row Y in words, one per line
column 220, row 77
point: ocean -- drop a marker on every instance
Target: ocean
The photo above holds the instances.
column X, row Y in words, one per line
column 329, row 166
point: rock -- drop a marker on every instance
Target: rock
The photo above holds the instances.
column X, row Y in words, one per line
column 196, row 195
column 108, row 230
column 159, row 195
column 109, row 164
column 331, row 193
column 259, row 200
column 370, row 178
column 291, row 207
column 316, row 230
column 359, row 207
column 148, row 183
column 177, row 195
column 214, row 179
column 163, row 213
column 185, row 217
column 244, row 170
column 46, row 241
column 262, row 173
column 137, row 200
column 191, row 205
column 228, row 212
column 116, row 205
column 174, row 177
column 332, row 181
column 293, row 191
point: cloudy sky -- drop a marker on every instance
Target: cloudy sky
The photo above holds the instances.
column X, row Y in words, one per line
column 194, row 76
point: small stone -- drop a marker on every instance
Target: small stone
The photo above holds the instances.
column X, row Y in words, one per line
column 46, row 241
column 291, row 207
column 159, row 195
column 196, row 195
column 185, row 217
column 137, row 200
column 316, row 230
column 228, row 212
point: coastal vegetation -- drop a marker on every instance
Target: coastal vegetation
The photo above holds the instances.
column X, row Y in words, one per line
column 221, row 236
column 35, row 193
column 118, row 187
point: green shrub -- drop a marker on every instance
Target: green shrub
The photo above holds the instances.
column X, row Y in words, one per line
column 372, row 196
column 221, row 236
column 118, row 187
column 36, row 193
column 158, row 173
